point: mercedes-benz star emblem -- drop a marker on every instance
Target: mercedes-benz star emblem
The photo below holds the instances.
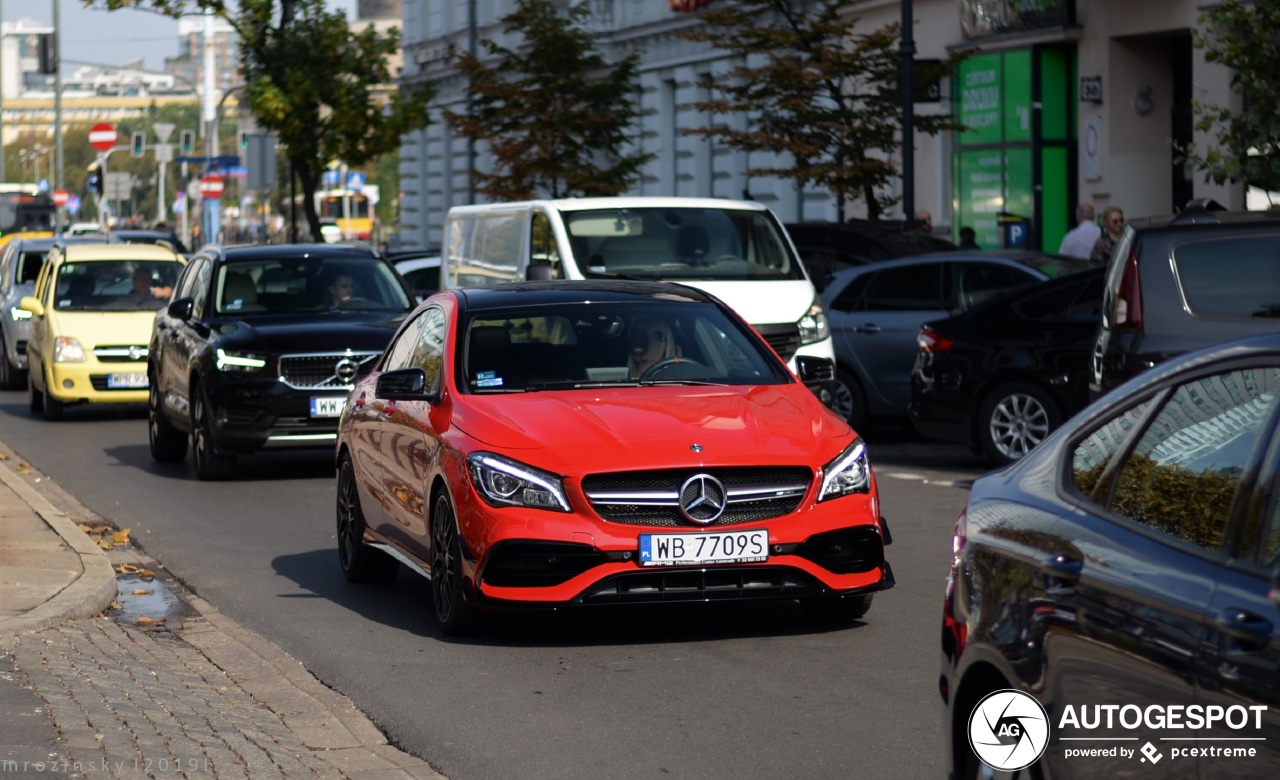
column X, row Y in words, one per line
column 346, row 370
column 702, row 499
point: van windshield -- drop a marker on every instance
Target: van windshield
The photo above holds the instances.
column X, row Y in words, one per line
column 680, row 244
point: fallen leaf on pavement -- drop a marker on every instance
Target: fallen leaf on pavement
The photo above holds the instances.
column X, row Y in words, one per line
column 127, row 568
column 143, row 620
column 3, row 456
column 121, row 536
column 104, row 545
column 140, row 591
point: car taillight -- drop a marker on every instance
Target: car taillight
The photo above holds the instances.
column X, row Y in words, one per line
column 929, row 341
column 1128, row 309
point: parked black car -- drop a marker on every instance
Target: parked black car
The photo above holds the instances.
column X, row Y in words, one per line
column 1130, row 562
column 1004, row 374
column 1182, row 282
column 828, row 247
column 260, row 345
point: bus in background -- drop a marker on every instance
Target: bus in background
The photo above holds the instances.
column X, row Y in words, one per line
column 25, row 210
column 354, row 220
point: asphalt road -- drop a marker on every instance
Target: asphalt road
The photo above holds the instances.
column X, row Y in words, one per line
column 725, row 692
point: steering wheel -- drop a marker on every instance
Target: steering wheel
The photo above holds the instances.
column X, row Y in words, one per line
column 662, row 365
column 727, row 259
column 356, row 302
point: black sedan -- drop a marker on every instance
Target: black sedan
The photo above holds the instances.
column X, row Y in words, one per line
column 1113, row 602
column 260, row 345
column 1002, row 375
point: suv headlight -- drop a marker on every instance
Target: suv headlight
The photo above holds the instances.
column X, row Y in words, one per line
column 505, row 482
column 240, row 361
column 67, row 350
column 814, row 325
column 849, row 473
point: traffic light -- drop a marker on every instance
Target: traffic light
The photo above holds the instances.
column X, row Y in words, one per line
column 139, row 143
column 95, row 179
column 188, row 142
column 47, row 49
column 244, row 139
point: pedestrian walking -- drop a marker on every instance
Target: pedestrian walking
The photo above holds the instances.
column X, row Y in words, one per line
column 1113, row 226
column 1079, row 241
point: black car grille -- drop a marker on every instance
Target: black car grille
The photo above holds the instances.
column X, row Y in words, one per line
column 20, row 347
column 327, row 370
column 785, row 339
column 846, row 551
column 710, row 584
column 533, row 564
column 653, row 497
column 129, row 353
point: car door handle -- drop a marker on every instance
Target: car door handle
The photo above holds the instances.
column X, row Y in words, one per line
column 1061, row 571
column 1245, row 625
column 869, row 327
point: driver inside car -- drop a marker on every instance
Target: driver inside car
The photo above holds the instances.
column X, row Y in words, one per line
column 341, row 290
column 651, row 342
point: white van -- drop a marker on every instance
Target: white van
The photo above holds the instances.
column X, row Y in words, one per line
column 736, row 250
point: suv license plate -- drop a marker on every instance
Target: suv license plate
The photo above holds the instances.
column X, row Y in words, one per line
column 115, row 381
column 699, row 549
column 327, row 407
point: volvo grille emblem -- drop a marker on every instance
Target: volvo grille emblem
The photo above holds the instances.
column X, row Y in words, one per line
column 696, row 447
column 702, row 499
column 346, row 370
column 136, row 353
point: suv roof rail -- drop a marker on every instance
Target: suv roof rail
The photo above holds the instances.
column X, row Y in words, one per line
column 1199, row 211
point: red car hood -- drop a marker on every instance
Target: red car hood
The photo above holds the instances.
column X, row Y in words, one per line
column 656, row 427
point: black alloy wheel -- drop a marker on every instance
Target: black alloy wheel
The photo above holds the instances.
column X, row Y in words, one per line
column 168, row 444
column 359, row 562
column 210, row 464
column 452, row 610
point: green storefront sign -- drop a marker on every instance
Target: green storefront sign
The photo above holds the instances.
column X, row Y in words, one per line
column 1016, row 108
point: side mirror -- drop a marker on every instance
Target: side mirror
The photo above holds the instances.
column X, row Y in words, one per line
column 540, row 272
column 405, row 384
column 815, row 370
column 180, row 308
column 31, row 304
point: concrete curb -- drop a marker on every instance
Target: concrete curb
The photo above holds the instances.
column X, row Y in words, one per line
column 90, row 593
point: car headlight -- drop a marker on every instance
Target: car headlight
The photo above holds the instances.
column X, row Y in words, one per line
column 505, row 482
column 240, row 361
column 18, row 315
column 849, row 473
column 67, row 350
column 814, row 325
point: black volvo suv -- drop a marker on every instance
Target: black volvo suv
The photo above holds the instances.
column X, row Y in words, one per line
column 260, row 345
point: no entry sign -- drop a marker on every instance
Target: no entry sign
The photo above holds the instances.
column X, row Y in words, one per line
column 60, row 198
column 102, row 136
column 211, row 187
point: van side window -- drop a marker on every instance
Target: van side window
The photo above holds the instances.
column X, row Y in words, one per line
column 544, row 249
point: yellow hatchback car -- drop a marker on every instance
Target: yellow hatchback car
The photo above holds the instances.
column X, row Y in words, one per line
column 91, row 319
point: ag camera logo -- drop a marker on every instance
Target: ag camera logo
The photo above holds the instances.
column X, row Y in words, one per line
column 1008, row 730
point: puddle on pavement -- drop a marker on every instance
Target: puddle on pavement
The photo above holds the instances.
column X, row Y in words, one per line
column 148, row 604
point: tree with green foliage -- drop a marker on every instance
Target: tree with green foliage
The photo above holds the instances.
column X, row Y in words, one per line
column 311, row 80
column 1240, row 36
column 816, row 91
column 555, row 115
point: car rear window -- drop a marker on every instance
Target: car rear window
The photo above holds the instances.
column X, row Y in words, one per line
column 1237, row 277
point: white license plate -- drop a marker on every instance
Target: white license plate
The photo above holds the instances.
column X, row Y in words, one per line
column 327, row 407
column 699, row 549
column 127, row 380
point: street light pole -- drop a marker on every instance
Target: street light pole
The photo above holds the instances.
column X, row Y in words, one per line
column 57, row 111
column 908, row 50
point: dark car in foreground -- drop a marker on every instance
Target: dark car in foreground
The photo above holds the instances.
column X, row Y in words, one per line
column 261, row 344
column 876, row 311
column 1004, row 374
column 517, row 447
column 1119, row 587
column 1186, row 281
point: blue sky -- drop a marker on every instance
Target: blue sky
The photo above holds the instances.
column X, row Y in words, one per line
column 114, row 37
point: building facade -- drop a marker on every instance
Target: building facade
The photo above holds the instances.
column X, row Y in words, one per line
column 1064, row 100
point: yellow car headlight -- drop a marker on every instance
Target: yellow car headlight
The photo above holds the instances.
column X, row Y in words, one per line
column 67, row 350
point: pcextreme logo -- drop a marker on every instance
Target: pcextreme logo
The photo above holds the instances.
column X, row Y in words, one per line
column 1008, row 730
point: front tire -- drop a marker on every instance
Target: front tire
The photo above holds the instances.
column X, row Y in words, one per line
column 829, row 609
column 210, row 464
column 850, row 402
column 168, row 444
column 1013, row 419
column 51, row 408
column 35, row 398
column 452, row 610
column 10, row 375
column 359, row 562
